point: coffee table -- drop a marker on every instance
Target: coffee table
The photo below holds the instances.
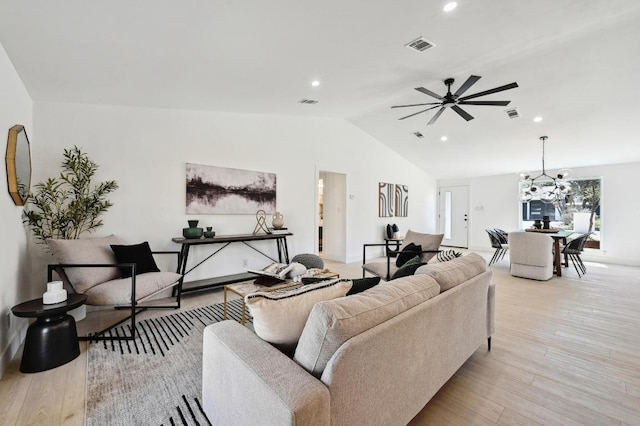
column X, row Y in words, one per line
column 52, row 340
column 244, row 288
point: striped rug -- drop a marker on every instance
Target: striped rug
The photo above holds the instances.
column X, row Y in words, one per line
column 156, row 378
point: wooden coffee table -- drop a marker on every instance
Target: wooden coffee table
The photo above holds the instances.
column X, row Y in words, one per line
column 244, row 288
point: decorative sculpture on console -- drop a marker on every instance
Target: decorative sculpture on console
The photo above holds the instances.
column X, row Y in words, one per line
column 261, row 218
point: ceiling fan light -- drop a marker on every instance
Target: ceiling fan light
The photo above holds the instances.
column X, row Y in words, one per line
column 525, row 196
column 524, row 175
column 548, row 197
column 534, row 189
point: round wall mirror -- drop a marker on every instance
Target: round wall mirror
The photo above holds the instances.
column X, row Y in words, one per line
column 18, row 165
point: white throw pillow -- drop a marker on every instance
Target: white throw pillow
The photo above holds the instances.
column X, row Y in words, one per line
column 280, row 316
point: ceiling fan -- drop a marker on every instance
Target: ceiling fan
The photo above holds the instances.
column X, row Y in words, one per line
column 454, row 100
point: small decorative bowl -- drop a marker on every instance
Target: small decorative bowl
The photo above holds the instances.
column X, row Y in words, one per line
column 192, row 233
column 209, row 234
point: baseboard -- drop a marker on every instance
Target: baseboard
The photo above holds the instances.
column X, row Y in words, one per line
column 12, row 348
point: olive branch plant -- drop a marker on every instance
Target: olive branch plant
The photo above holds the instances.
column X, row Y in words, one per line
column 66, row 206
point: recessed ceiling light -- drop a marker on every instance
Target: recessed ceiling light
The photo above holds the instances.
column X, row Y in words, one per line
column 443, row 139
column 315, row 83
column 537, row 119
column 450, row 6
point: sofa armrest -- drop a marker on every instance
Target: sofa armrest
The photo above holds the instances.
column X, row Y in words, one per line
column 247, row 381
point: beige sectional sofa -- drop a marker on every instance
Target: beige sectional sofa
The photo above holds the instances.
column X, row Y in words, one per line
column 373, row 358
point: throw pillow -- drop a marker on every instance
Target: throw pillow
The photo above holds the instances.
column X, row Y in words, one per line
column 140, row 254
column 362, row 284
column 407, row 253
column 279, row 316
column 445, row 256
column 408, row 268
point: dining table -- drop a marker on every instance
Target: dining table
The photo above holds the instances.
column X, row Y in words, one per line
column 558, row 235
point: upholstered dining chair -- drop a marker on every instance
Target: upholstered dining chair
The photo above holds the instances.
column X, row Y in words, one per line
column 110, row 273
column 531, row 255
column 573, row 249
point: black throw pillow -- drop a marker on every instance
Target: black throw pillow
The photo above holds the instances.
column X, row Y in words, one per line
column 140, row 254
column 407, row 253
column 362, row 284
column 408, row 268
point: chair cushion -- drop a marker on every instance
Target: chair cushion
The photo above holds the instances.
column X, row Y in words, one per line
column 279, row 316
column 454, row 272
column 86, row 251
column 118, row 292
column 427, row 241
column 407, row 253
column 140, row 254
column 333, row 322
column 380, row 268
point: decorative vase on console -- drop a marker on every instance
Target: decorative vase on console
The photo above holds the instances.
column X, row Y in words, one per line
column 537, row 224
column 545, row 222
column 192, row 231
column 209, row 233
column 278, row 221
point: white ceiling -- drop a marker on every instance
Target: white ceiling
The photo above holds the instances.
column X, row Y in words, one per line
column 577, row 63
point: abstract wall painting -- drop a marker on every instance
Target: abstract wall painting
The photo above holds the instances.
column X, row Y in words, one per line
column 402, row 200
column 222, row 190
column 385, row 199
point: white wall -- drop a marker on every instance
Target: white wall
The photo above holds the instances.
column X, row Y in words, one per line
column 494, row 204
column 145, row 151
column 15, row 108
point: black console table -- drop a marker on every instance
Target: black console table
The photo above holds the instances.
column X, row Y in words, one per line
column 223, row 241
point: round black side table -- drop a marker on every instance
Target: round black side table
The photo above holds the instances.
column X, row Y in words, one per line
column 52, row 340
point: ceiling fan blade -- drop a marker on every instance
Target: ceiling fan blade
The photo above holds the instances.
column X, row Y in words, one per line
column 429, row 92
column 412, row 105
column 496, row 103
column 462, row 113
column 465, row 86
column 490, row 91
column 435, row 117
column 419, row 112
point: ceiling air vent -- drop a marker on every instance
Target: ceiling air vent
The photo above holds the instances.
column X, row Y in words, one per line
column 512, row 113
column 418, row 134
column 420, row 44
column 307, row 101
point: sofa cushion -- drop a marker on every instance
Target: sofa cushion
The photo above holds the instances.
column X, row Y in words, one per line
column 407, row 253
column 140, row 254
column 279, row 316
column 427, row 241
column 118, row 292
column 454, row 272
column 84, row 251
column 333, row 322
column 409, row 268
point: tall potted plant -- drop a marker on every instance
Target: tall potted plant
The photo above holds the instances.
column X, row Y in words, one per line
column 66, row 206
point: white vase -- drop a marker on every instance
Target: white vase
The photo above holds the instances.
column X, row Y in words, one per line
column 278, row 221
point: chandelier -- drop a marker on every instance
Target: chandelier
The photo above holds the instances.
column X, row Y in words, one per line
column 546, row 188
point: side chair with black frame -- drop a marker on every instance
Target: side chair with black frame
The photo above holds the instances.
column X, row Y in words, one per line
column 498, row 243
column 430, row 244
column 573, row 249
column 132, row 291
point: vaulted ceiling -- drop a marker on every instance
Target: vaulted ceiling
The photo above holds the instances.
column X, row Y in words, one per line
column 576, row 63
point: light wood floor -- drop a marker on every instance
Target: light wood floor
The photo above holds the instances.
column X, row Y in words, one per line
column 565, row 352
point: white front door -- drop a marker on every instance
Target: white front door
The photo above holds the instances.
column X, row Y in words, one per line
column 454, row 215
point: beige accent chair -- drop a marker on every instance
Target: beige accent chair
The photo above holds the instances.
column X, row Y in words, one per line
column 89, row 266
column 430, row 246
column 531, row 255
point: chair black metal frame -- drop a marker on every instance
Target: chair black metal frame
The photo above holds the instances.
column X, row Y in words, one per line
column 389, row 253
column 135, row 307
column 496, row 243
column 573, row 249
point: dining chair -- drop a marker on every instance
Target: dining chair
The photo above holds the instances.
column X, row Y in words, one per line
column 573, row 249
column 496, row 243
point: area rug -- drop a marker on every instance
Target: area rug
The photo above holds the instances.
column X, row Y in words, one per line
column 155, row 379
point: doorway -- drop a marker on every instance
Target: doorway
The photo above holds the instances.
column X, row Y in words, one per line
column 331, row 215
column 454, row 215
